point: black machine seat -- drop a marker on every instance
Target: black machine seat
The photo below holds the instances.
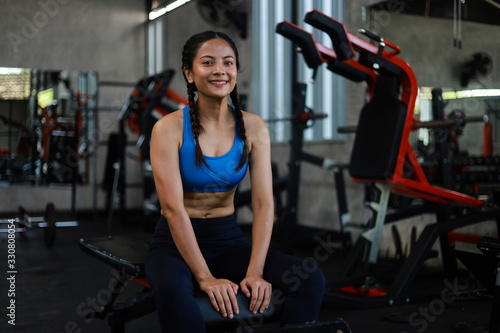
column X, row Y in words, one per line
column 379, row 131
column 127, row 255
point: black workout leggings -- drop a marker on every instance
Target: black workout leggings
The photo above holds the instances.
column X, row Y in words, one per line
column 227, row 254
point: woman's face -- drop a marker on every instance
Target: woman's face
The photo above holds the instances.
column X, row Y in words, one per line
column 214, row 69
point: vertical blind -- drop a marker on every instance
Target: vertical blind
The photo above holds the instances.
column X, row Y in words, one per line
column 272, row 70
column 155, row 39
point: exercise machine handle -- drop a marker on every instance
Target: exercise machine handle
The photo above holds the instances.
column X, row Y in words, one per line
column 382, row 42
column 335, row 29
column 304, row 40
column 371, row 35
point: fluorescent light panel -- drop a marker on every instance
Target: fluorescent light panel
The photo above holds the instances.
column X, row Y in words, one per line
column 163, row 10
column 9, row 70
column 469, row 93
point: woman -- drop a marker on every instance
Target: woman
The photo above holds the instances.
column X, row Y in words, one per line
column 199, row 155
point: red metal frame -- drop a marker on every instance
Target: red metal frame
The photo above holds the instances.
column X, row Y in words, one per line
column 417, row 186
column 133, row 121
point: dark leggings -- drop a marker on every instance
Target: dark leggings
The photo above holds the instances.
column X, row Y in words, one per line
column 227, row 254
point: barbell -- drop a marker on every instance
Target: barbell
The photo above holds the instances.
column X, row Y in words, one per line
column 23, row 222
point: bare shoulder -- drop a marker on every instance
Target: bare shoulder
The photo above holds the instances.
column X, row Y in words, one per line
column 169, row 126
column 253, row 123
column 257, row 131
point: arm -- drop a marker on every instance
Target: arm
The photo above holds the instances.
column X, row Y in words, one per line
column 263, row 213
column 165, row 143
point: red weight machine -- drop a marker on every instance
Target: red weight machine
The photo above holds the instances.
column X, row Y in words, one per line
column 383, row 156
column 151, row 99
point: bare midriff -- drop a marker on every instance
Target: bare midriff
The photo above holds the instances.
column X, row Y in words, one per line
column 209, row 205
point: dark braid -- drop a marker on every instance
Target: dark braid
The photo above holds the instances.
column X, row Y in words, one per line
column 195, row 125
column 241, row 126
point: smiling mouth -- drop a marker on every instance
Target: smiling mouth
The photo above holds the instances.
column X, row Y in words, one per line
column 218, row 82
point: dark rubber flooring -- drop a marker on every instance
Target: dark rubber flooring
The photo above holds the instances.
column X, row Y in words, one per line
column 55, row 287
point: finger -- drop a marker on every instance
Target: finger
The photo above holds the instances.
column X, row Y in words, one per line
column 213, row 301
column 244, row 289
column 221, row 303
column 234, row 302
column 267, row 299
column 260, row 298
column 235, row 287
column 256, row 299
column 227, row 299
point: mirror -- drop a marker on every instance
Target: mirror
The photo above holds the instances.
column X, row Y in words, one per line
column 476, row 112
column 450, row 48
column 47, row 126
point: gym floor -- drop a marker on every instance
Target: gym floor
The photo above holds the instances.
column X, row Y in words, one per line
column 55, row 286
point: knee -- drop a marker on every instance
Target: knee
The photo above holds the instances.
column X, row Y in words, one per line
column 168, row 286
column 174, row 291
column 306, row 278
column 315, row 281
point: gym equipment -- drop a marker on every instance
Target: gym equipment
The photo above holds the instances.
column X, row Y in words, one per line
column 54, row 130
column 13, row 159
column 385, row 158
column 150, row 100
column 59, row 142
column 486, row 268
column 62, row 109
column 23, row 223
column 287, row 228
column 292, row 231
column 444, row 163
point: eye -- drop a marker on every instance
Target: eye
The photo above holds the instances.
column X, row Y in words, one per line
column 207, row 62
column 229, row 63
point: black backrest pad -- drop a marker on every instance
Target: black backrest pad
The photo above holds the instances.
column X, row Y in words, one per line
column 379, row 131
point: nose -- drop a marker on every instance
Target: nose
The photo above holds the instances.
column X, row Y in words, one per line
column 219, row 68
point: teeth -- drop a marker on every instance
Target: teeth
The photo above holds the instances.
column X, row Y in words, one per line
column 218, row 82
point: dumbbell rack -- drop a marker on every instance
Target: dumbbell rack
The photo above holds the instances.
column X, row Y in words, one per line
column 23, row 223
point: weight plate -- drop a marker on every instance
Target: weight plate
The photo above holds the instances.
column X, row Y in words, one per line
column 21, row 215
column 50, row 230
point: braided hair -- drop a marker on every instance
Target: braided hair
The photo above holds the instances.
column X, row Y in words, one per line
column 188, row 55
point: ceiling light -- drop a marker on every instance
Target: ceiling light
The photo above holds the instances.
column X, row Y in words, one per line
column 165, row 9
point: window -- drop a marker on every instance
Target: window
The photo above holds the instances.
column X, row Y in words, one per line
column 155, row 46
column 272, row 74
column 14, row 83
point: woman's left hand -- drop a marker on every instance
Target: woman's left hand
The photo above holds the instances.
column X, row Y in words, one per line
column 260, row 292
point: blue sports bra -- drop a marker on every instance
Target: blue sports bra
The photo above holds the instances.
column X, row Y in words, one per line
column 223, row 174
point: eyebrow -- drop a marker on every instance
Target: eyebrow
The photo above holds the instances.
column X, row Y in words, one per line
column 212, row 57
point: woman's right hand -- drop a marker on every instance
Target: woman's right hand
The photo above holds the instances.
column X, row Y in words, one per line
column 222, row 295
